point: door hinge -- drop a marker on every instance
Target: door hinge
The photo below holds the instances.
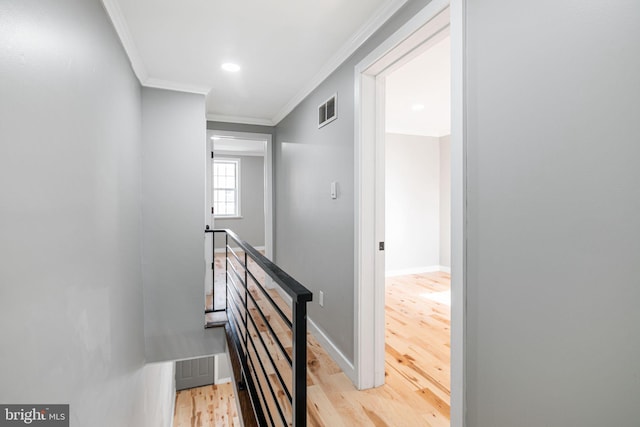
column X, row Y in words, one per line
column 381, row 246
column 212, row 266
column 211, row 210
column 212, row 154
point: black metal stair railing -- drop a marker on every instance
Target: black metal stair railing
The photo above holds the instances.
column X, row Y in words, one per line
column 269, row 336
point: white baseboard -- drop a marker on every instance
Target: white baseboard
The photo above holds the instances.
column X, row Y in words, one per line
column 333, row 351
column 417, row 270
column 222, row 250
column 285, row 296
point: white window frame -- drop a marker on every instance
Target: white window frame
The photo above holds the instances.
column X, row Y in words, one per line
column 238, row 189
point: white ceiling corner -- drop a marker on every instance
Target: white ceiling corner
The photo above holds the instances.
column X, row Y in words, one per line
column 122, row 29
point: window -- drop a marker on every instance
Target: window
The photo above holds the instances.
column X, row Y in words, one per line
column 226, row 188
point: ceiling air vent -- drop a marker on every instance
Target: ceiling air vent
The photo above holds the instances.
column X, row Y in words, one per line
column 328, row 111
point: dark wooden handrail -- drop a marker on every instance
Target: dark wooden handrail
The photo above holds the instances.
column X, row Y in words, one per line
column 290, row 285
column 245, row 315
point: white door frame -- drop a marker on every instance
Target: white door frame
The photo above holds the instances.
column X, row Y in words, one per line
column 268, row 179
column 369, row 198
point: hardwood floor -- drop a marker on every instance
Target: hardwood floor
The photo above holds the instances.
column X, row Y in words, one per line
column 417, row 367
column 208, row 406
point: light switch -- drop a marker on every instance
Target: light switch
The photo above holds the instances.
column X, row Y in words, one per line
column 334, row 190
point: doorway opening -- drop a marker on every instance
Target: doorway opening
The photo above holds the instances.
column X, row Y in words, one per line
column 417, row 231
column 238, row 197
column 440, row 20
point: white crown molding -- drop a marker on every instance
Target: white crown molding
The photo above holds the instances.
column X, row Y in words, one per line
column 122, row 29
column 169, row 85
column 239, row 119
column 371, row 26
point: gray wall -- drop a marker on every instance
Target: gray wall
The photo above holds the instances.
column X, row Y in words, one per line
column 70, row 281
column 553, row 141
column 251, row 226
column 314, row 235
column 553, row 231
column 445, row 201
column 173, row 218
column 412, row 203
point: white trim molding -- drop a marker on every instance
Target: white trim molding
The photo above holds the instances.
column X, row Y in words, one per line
column 124, row 33
column 458, row 212
column 268, row 180
column 122, row 29
column 333, row 350
column 323, row 339
column 369, row 188
column 177, row 86
column 369, row 302
column 240, row 119
column 239, row 153
column 381, row 16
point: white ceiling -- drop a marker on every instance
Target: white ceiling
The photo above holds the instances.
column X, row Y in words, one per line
column 285, row 48
column 426, row 81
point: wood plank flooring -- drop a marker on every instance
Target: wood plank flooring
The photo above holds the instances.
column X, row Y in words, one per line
column 417, row 367
column 208, row 406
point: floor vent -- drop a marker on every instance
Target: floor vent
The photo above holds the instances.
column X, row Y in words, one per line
column 328, row 111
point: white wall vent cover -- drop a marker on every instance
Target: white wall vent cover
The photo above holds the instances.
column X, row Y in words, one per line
column 328, row 111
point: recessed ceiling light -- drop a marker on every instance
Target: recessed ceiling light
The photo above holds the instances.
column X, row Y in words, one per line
column 417, row 107
column 231, row 67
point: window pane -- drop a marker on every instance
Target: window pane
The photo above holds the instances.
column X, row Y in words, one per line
column 225, row 187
